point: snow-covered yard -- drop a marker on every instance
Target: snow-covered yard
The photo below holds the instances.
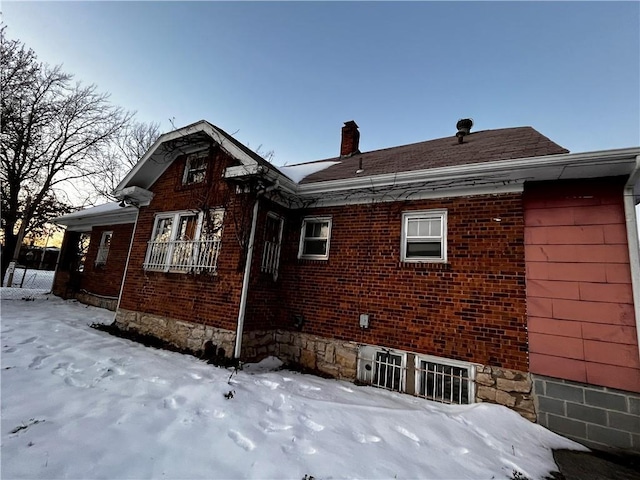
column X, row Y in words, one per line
column 79, row 403
column 29, row 278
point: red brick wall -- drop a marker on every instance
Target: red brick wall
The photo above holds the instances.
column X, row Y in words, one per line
column 580, row 305
column 266, row 309
column 203, row 298
column 472, row 308
column 105, row 280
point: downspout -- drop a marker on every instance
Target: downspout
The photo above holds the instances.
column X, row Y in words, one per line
column 632, row 241
column 126, row 265
column 245, row 280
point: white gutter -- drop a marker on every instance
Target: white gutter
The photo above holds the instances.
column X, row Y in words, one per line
column 126, row 265
column 632, row 241
column 245, row 281
column 559, row 161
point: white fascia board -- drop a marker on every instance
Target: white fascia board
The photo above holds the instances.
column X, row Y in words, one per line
column 140, row 195
column 85, row 223
column 165, row 137
column 362, row 199
column 199, row 127
column 241, row 171
column 549, row 163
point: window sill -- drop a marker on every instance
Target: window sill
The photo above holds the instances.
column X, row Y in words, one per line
column 437, row 266
column 313, row 259
column 199, row 272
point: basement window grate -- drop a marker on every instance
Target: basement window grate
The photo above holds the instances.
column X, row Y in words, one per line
column 443, row 382
column 433, row 378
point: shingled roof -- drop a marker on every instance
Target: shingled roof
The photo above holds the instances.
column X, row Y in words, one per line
column 478, row 147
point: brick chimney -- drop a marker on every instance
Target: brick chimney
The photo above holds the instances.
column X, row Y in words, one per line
column 350, row 139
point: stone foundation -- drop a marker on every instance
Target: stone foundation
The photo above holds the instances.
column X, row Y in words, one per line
column 510, row 388
column 186, row 335
column 331, row 357
column 110, row 303
column 335, row 358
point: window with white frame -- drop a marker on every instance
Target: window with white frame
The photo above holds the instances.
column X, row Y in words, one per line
column 382, row 367
column 195, row 169
column 314, row 238
column 103, row 249
column 185, row 242
column 434, row 378
column 272, row 244
column 445, row 381
column 424, row 236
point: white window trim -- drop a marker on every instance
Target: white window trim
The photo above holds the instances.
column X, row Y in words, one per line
column 367, row 356
column 471, row 367
column 406, row 216
column 197, row 155
column 302, row 238
column 103, row 252
column 175, row 216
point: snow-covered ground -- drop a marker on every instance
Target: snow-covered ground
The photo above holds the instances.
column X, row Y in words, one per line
column 79, row 403
column 31, row 278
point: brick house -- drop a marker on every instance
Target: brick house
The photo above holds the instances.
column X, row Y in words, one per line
column 94, row 254
column 486, row 266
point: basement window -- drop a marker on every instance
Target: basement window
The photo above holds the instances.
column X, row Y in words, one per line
column 445, row 381
column 195, row 169
column 382, row 367
column 103, row 249
column 433, row 378
column 185, row 242
column 314, row 238
column 424, row 236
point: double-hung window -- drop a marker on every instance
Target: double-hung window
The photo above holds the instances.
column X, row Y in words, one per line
column 185, row 242
column 424, row 236
column 195, row 169
column 103, row 249
column 314, row 238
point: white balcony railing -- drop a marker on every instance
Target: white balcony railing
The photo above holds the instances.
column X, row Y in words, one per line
column 101, row 256
column 182, row 256
column 270, row 257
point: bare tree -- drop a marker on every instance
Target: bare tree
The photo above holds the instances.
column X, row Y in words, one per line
column 126, row 149
column 53, row 132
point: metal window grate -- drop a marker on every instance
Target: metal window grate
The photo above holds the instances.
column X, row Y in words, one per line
column 101, row 256
column 388, row 371
column 270, row 257
column 443, row 383
column 183, row 256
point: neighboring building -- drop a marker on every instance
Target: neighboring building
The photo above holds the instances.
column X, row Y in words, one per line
column 452, row 269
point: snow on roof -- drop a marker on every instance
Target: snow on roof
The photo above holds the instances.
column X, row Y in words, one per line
column 300, row 171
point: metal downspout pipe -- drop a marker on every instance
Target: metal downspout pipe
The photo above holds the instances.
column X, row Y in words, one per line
column 245, row 281
column 632, row 241
column 126, row 265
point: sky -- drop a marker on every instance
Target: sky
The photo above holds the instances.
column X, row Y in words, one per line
column 159, row 414
column 285, row 76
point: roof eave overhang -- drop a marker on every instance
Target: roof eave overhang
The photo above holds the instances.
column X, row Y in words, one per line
column 271, row 176
column 155, row 161
column 76, row 222
column 483, row 176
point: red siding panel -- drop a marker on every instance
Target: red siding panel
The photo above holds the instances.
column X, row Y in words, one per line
column 576, row 242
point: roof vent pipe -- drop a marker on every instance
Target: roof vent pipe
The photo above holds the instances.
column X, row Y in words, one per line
column 464, row 128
